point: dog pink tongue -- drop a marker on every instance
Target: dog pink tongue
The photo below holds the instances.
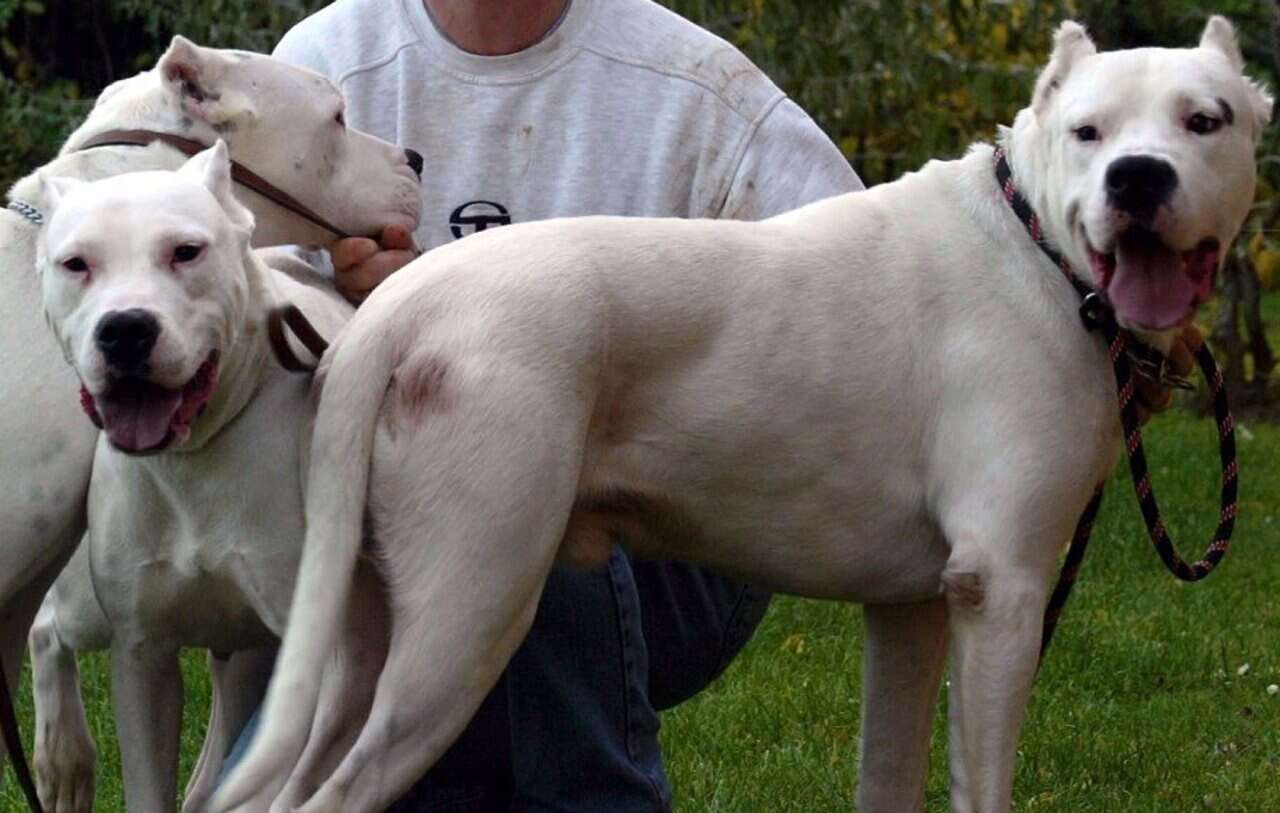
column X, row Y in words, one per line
column 139, row 420
column 1151, row 288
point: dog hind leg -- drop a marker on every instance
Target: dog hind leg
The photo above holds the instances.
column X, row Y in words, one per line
column 467, row 541
column 905, row 651
column 347, row 688
column 239, row 682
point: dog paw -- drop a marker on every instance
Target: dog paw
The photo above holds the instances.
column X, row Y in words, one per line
column 64, row 774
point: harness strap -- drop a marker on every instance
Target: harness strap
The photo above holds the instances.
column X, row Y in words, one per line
column 1126, row 352
column 289, row 315
column 239, row 172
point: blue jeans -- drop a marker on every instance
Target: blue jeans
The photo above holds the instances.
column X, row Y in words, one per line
column 572, row 725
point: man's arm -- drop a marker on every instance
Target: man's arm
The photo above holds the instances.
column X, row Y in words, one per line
column 788, row 162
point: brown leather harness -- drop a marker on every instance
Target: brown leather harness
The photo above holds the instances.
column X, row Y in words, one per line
column 289, row 316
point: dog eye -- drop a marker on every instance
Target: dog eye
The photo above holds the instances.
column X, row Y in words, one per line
column 75, row 265
column 1200, row 124
column 186, row 253
column 1087, row 133
column 340, row 119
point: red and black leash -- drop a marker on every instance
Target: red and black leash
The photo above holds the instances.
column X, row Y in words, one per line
column 1125, row 351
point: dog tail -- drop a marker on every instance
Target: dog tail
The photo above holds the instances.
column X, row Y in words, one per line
column 359, row 372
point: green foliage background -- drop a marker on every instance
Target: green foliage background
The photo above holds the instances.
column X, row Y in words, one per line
column 893, row 83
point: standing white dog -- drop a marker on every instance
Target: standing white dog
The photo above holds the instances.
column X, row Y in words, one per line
column 195, row 508
column 830, row 403
column 283, row 122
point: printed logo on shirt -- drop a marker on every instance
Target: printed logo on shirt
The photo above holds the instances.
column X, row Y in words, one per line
column 477, row 215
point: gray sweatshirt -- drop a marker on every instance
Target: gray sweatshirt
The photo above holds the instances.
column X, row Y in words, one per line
column 624, row 108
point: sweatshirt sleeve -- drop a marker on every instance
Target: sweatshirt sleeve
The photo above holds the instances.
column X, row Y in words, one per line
column 788, row 162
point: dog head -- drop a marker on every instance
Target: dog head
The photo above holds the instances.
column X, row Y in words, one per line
column 283, row 122
column 1141, row 166
column 144, row 284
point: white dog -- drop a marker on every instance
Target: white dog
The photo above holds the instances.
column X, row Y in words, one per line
column 283, row 122
column 831, row 403
column 195, row 507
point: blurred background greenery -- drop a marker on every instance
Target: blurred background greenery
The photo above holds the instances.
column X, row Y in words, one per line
column 893, row 83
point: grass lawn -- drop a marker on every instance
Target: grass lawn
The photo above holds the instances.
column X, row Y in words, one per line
column 1140, row 705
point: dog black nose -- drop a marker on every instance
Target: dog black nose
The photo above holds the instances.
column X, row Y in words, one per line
column 1140, row 184
column 126, row 338
column 415, row 161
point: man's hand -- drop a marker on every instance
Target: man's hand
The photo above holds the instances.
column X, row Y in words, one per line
column 1151, row 397
column 359, row 263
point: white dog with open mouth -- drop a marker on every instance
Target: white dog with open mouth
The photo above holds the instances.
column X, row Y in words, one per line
column 282, row 122
column 195, row 512
column 830, row 403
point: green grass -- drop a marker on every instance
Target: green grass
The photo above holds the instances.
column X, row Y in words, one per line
column 1138, row 708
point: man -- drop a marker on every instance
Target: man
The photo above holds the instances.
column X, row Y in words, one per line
column 552, row 108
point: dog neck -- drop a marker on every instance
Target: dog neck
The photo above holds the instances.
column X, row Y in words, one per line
column 1022, row 157
column 100, row 163
column 246, row 361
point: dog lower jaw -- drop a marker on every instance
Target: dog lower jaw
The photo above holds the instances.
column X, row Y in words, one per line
column 1152, row 286
column 140, row 417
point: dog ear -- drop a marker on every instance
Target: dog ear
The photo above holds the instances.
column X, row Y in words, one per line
column 212, row 169
column 1219, row 35
column 196, row 78
column 53, row 190
column 1261, row 101
column 1070, row 43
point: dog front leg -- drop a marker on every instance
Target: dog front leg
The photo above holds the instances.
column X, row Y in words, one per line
column 906, row 647
column 146, row 690
column 996, row 617
column 64, row 756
